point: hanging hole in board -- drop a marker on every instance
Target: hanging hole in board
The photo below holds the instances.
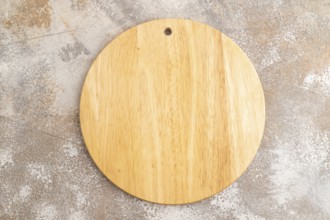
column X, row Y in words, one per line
column 168, row 31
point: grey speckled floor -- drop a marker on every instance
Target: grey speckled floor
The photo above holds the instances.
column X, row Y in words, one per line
column 46, row 47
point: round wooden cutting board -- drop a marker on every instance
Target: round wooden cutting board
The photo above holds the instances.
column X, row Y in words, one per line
column 172, row 111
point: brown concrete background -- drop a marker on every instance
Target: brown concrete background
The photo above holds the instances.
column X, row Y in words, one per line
column 46, row 47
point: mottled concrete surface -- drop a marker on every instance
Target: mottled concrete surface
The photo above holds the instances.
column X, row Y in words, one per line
column 46, row 47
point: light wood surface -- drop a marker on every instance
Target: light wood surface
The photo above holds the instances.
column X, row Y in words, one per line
column 175, row 118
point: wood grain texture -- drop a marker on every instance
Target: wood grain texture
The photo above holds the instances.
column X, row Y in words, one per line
column 172, row 119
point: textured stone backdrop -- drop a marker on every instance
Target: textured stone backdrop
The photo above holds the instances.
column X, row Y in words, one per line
column 46, row 47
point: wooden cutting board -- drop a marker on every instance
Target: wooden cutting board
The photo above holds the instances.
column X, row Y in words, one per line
column 172, row 111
